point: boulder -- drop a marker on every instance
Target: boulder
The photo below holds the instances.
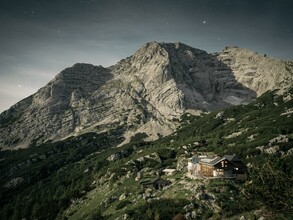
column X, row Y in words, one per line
column 122, row 196
column 114, row 157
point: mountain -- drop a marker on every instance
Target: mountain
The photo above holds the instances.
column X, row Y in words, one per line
column 144, row 93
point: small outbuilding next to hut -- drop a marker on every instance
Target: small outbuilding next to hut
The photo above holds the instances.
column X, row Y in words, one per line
column 169, row 172
column 157, row 183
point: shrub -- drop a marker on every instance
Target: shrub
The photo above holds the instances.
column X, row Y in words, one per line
column 123, row 204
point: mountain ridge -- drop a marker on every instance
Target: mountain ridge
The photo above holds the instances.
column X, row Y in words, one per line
column 146, row 93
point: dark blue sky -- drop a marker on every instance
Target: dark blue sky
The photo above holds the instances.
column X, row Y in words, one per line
column 39, row 38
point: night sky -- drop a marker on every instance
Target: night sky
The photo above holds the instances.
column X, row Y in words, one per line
column 39, row 38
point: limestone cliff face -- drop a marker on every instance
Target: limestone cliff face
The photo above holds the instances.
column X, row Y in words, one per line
column 143, row 93
column 257, row 72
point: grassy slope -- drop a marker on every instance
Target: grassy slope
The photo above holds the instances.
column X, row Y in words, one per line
column 79, row 185
column 255, row 125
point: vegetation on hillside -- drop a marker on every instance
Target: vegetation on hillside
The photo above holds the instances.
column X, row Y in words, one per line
column 75, row 178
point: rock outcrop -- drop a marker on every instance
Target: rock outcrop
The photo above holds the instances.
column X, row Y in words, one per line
column 144, row 93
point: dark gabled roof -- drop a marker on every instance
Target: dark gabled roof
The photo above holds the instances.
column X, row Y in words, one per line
column 232, row 158
column 143, row 182
column 156, row 180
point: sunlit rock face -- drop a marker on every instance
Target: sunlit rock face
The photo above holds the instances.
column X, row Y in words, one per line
column 146, row 92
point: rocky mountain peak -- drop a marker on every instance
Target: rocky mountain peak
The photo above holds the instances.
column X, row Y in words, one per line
column 144, row 93
column 79, row 79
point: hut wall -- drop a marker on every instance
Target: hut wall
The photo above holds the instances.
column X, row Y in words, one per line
column 206, row 170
